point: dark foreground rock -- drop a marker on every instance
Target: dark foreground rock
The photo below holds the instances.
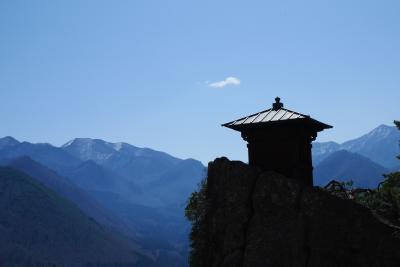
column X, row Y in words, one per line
column 264, row 219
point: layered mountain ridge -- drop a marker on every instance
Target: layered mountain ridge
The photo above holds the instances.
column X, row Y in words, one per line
column 362, row 160
column 138, row 192
column 381, row 145
column 345, row 166
column 40, row 228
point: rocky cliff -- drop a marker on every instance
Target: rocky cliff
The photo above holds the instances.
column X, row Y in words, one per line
column 253, row 218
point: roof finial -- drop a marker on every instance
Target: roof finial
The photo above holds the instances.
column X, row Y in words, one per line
column 277, row 105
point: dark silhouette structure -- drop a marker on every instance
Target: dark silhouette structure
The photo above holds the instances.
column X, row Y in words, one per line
column 280, row 140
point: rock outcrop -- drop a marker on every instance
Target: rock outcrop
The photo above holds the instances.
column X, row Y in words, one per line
column 255, row 218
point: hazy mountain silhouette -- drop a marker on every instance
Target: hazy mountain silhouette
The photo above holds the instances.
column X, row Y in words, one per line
column 141, row 165
column 120, row 168
column 8, row 141
column 178, row 179
column 165, row 183
column 67, row 189
column 39, row 228
column 93, row 177
column 344, row 166
column 154, row 229
column 142, row 189
column 46, row 154
column 141, row 192
column 100, row 151
column 125, row 159
column 322, row 150
column 381, row 145
column 163, row 178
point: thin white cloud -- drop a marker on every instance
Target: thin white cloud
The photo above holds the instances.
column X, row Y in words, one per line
column 228, row 81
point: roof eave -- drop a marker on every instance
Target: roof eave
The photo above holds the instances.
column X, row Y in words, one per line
column 320, row 126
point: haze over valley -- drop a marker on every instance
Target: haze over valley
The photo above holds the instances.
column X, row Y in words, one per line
column 138, row 195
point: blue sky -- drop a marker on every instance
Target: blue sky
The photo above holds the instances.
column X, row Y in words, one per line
column 141, row 71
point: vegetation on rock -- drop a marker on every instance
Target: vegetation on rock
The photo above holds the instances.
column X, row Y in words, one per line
column 384, row 201
column 195, row 211
column 218, row 213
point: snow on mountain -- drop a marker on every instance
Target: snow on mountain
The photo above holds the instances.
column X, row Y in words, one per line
column 101, row 151
column 90, row 149
column 381, row 145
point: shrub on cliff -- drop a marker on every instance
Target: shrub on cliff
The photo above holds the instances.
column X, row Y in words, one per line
column 195, row 211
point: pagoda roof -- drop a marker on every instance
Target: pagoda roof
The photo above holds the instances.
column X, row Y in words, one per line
column 274, row 116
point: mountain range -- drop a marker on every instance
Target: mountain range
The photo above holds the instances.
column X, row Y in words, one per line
column 40, row 228
column 134, row 197
column 345, row 166
column 363, row 160
column 137, row 192
column 381, row 145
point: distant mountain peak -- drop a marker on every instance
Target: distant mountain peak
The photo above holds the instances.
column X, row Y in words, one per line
column 91, row 142
column 81, row 140
column 383, row 131
column 101, row 151
column 9, row 138
column 90, row 149
column 381, row 145
column 384, row 126
column 379, row 133
column 69, row 143
column 8, row 141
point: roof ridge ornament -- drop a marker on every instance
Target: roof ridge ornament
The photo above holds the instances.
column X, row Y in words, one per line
column 277, row 105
